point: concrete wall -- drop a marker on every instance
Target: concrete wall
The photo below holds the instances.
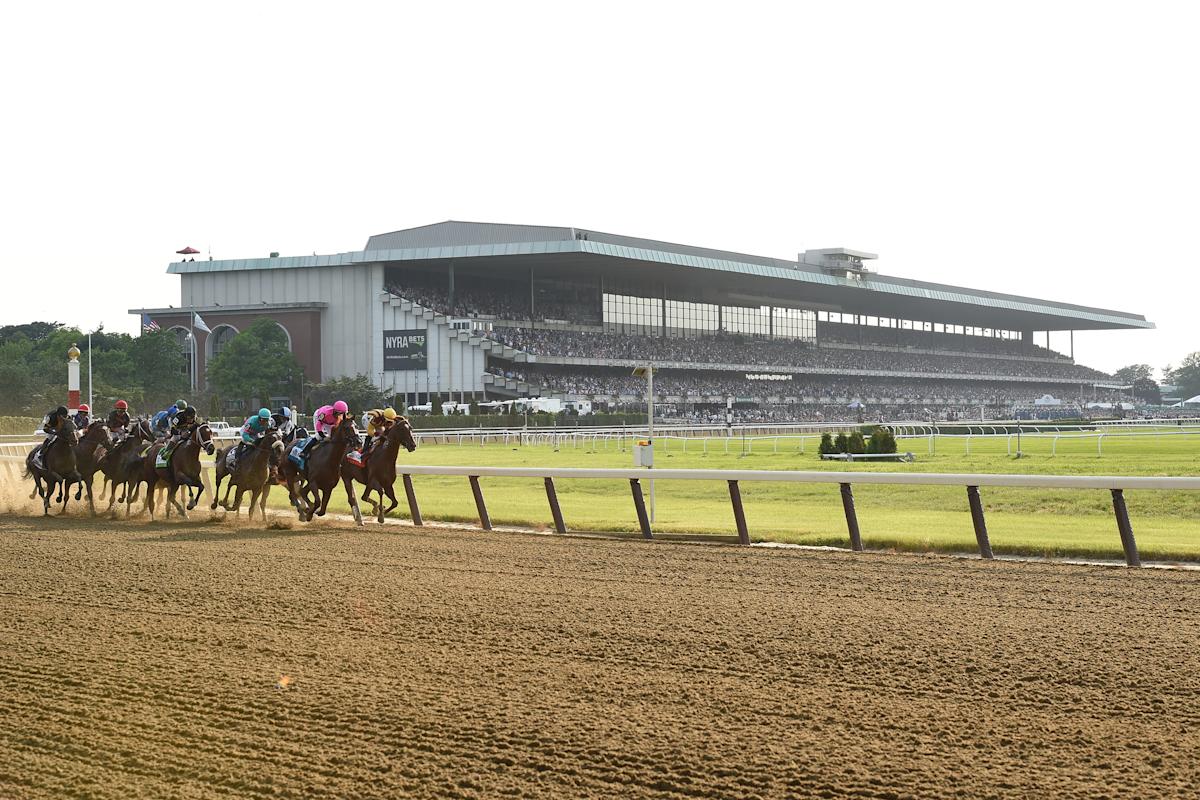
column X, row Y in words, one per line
column 453, row 365
column 349, row 326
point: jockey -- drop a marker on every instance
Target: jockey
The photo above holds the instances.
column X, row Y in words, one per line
column 53, row 424
column 379, row 422
column 163, row 419
column 118, row 418
column 326, row 418
column 183, row 423
column 284, row 422
column 253, row 430
column 83, row 416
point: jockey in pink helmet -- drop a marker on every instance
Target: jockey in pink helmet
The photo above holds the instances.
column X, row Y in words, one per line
column 326, row 418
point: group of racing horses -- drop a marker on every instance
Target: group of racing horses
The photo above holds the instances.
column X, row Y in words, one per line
column 131, row 457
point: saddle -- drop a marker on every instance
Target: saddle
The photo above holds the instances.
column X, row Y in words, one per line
column 231, row 459
column 357, row 457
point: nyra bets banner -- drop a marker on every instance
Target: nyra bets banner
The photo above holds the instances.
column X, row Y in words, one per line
column 404, row 350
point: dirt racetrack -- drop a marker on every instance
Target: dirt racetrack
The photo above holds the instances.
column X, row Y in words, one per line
column 144, row 660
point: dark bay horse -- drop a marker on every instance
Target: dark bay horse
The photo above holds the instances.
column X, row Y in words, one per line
column 309, row 489
column 122, row 466
column 182, row 470
column 379, row 473
column 57, row 470
column 251, row 474
column 93, row 447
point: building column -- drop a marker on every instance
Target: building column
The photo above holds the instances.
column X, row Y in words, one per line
column 450, row 286
column 664, row 310
column 532, row 302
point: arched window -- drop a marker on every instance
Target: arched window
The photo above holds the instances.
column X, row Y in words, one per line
column 287, row 335
column 220, row 337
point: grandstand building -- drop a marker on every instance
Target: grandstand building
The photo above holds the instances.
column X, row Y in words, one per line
column 468, row 310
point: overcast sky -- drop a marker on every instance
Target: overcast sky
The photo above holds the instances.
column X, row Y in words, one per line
column 1047, row 149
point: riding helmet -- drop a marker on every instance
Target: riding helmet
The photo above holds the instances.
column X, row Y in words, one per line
column 264, row 413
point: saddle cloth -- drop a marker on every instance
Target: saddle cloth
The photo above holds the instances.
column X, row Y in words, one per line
column 163, row 459
column 231, row 459
column 296, row 454
column 356, row 458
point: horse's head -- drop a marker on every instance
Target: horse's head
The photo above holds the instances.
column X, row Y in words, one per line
column 403, row 430
column 96, row 432
column 203, row 438
column 345, row 429
column 274, row 441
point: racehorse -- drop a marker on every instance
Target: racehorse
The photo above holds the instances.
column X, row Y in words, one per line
column 252, row 473
column 309, row 489
column 183, row 469
column 122, row 466
column 93, row 447
column 379, row 473
column 57, row 469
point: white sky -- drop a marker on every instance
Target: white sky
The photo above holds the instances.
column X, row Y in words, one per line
column 1047, row 149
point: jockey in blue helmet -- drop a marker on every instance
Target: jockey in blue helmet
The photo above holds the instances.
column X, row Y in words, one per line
column 254, row 429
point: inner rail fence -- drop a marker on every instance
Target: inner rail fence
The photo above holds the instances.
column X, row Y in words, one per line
column 1114, row 484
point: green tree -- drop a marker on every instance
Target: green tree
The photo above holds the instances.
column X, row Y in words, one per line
column 161, row 371
column 32, row 331
column 1186, row 376
column 358, row 392
column 1134, row 373
column 256, row 365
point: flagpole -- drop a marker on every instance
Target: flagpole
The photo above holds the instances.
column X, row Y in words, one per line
column 90, row 401
column 193, row 364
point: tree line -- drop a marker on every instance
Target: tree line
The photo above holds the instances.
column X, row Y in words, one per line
column 150, row 372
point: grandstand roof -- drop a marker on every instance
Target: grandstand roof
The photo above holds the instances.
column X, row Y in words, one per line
column 566, row 250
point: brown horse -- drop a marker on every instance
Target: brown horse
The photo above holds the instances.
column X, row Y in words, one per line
column 57, row 469
column 93, row 447
column 379, row 473
column 182, row 470
column 309, row 489
column 251, row 474
column 122, row 466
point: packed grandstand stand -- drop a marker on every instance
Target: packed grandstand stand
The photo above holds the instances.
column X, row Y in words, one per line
column 845, row 371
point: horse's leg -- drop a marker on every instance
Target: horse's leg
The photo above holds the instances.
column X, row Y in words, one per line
column 217, row 491
column 262, row 502
column 87, row 485
column 173, row 499
column 390, row 488
column 325, row 495
column 103, row 488
column 237, row 499
column 348, row 482
column 253, row 502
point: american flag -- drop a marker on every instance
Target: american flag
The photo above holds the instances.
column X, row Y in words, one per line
column 149, row 325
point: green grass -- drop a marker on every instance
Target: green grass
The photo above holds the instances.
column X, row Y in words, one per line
column 1020, row 521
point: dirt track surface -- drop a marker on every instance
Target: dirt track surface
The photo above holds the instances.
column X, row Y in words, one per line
column 141, row 661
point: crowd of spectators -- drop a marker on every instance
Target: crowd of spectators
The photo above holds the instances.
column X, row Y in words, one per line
column 928, row 340
column 696, row 386
column 482, row 299
column 778, row 353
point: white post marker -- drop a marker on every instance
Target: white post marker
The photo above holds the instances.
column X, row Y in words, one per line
column 645, row 453
column 73, row 379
